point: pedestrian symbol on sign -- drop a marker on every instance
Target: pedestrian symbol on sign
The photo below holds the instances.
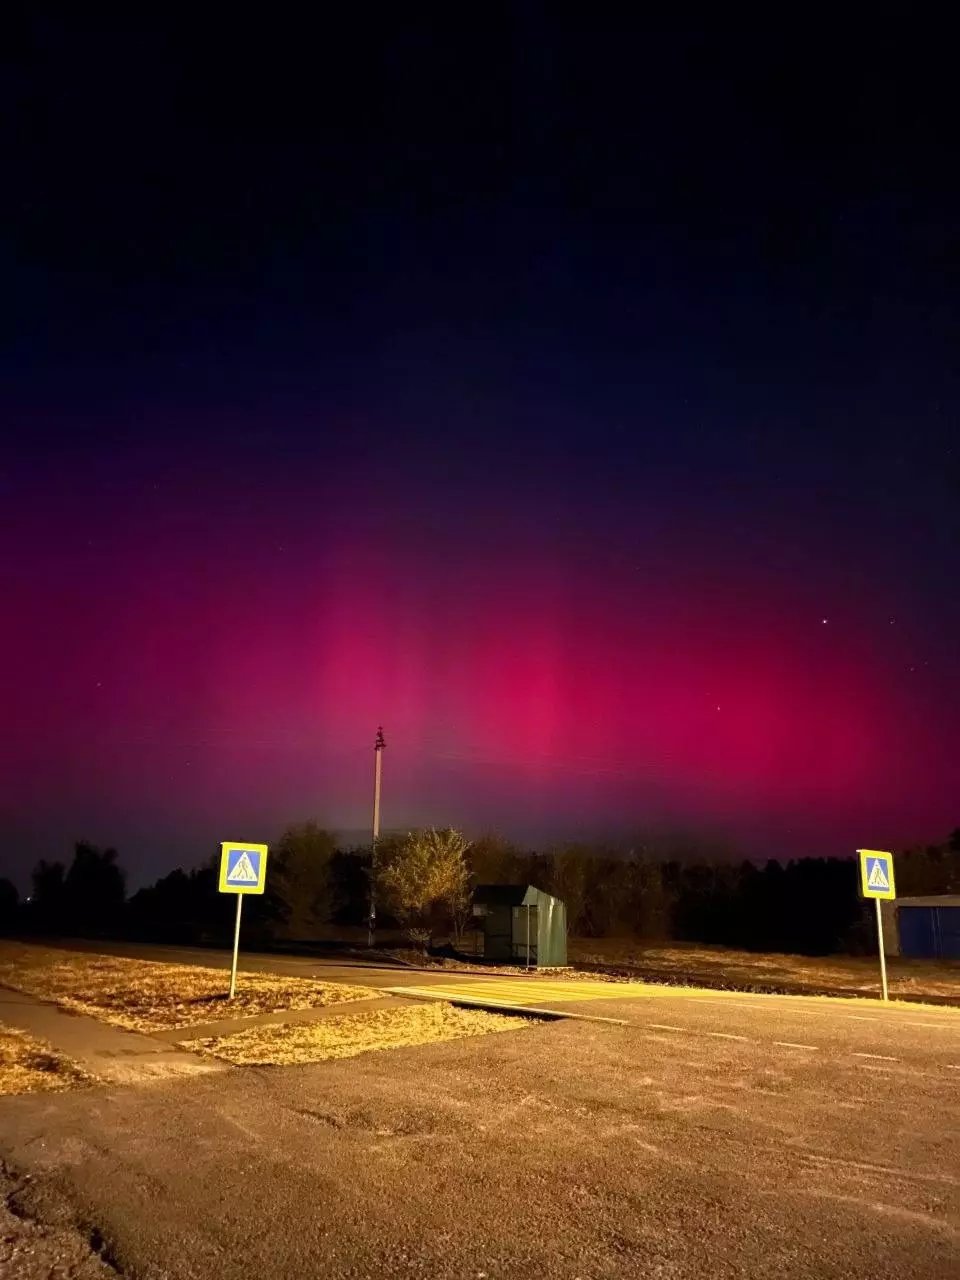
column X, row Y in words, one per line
column 241, row 870
column 243, row 867
column 877, row 875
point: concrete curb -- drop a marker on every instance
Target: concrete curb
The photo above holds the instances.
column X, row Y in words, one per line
column 283, row 1017
column 501, row 1006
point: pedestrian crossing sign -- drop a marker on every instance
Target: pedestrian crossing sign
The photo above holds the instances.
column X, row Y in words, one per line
column 876, row 874
column 243, row 867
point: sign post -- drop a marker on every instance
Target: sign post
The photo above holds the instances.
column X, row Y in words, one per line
column 876, row 881
column 243, row 869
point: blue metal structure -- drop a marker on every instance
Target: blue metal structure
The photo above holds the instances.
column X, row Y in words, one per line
column 929, row 928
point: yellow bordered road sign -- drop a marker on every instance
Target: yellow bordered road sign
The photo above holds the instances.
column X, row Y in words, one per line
column 876, row 874
column 243, row 867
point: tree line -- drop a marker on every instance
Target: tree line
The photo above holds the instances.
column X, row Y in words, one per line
column 424, row 881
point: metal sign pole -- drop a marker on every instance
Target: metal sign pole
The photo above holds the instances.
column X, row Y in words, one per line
column 236, row 947
column 876, row 882
column 378, row 748
column 883, row 958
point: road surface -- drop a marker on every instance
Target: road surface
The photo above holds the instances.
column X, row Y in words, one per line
column 711, row 1135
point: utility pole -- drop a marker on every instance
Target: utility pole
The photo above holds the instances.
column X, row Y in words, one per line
column 378, row 749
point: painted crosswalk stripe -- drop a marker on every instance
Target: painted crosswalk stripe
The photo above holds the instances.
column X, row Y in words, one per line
column 534, row 991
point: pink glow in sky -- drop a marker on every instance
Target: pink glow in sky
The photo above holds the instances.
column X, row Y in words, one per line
column 175, row 673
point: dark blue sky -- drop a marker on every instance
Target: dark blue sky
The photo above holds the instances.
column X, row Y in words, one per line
column 535, row 384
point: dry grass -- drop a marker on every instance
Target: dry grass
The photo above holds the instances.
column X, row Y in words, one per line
column 144, row 995
column 28, row 1065
column 345, row 1037
column 748, row 971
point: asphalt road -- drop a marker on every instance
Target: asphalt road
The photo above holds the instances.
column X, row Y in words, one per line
column 711, row 1136
column 31, row 1251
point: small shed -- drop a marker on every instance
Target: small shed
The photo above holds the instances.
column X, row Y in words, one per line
column 923, row 928
column 521, row 924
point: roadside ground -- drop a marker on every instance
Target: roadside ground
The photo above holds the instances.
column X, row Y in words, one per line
column 275, row 1019
column 29, row 1064
column 347, row 1036
column 144, row 995
column 723, row 968
column 53, row 1250
column 711, row 1135
column 726, row 968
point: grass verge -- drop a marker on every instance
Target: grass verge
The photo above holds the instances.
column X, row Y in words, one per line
column 144, row 995
column 725, row 967
column 348, row 1036
column 28, row 1065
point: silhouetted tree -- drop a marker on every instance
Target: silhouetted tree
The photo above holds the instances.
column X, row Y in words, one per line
column 9, row 906
column 299, row 890
column 350, row 886
column 164, row 911
column 649, row 906
column 95, row 889
column 182, row 907
column 567, row 880
column 806, row 905
column 494, row 859
column 929, row 869
column 47, row 901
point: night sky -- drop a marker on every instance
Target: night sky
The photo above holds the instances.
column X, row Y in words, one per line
column 578, row 400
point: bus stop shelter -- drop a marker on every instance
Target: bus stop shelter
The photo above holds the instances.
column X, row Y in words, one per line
column 521, row 925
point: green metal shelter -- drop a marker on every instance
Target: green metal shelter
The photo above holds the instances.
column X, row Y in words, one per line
column 521, row 925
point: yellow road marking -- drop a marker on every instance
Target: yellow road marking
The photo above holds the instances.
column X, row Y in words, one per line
column 554, row 991
column 492, row 1002
column 518, row 992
